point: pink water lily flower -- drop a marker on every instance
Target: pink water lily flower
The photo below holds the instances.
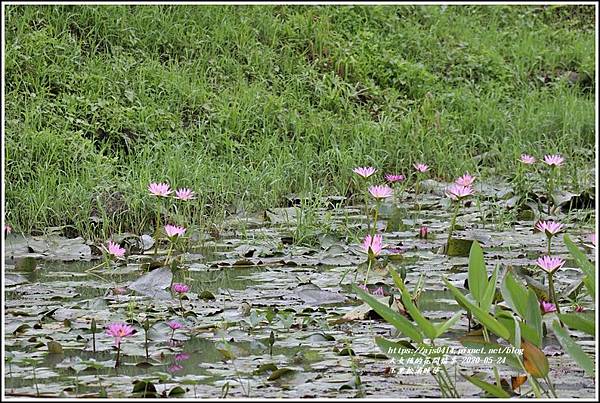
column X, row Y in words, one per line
column 457, row 192
column 394, row 178
column 182, row 357
column 184, row 194
column 174, row 368
column 527, row 159
column 579, row 308
column 421, row 167
column 7, row 228
column 173, row 230
column 378, row 292
column 364, row 287
column 160, row 189
column 180, row 288
column 465, row 180
column 550, row 264
column 554, row 160
column 365, row 172
column 174, row 325
column 381, row 191
column 374, row 244
column 118, row 331
column 547, row 307
column 115, row 249
column 423, row 232
column 549, row 227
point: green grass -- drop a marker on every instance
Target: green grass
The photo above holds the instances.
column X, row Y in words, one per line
column 248, row 104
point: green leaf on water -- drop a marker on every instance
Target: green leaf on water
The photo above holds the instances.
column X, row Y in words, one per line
column 54, row 347
column 278, row 373
column 574, row 350
column 265, row 368
column 176, row 391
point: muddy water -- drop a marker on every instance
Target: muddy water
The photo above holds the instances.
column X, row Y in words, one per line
column 245, row 286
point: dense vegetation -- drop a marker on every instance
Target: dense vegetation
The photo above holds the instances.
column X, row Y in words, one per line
column 249, row 104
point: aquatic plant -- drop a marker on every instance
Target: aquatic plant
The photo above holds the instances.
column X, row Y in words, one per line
column 554, row 162
column 547, row 307
column 466, row 180
column 550, row 265
column 527, row 159
column 185, row 194
column 115, row 249
column 118, row 331
column 365, row 172
column 173, row 231
column 420, row 169
column 456, row 193
column 381, row 191
column 372, row 245
column 180, row 289
column 393, row 178
column 550, row 228
column 159, row 189
column 521, row 184
column 174, row 325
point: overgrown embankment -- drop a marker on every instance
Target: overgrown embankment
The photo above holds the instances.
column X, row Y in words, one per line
column 248, row 104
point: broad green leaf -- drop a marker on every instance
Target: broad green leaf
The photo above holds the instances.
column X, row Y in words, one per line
column 533, row 318
column 529, row 334
column 394, row 318
column 425, row 325
column 515, row 294
column 489, row 292
column 573, row 348
column 493, row 390
column 484, row 317
column 477, row 272
column 443, row 327
column 507, row 320
column 584, row 264
column 579, row 321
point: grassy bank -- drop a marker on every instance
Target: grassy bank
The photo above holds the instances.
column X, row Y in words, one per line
column 248, row 104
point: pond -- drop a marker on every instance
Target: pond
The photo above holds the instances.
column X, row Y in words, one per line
column 271, row 312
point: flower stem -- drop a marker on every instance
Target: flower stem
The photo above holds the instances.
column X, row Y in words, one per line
column 170, row 251
column 118, row 355
column 552, row 292
column 375, row 216
column 368, row 270
column 453, row 223
column 157, row 230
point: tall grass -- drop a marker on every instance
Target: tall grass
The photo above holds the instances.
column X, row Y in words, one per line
column 248, row 104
